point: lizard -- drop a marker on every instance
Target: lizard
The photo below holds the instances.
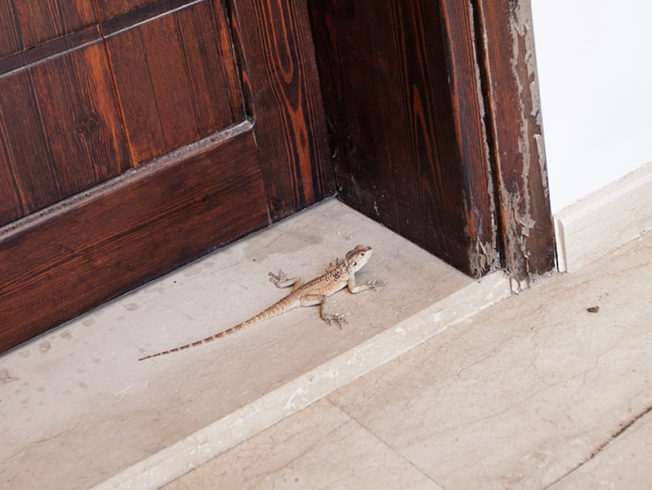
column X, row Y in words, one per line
column 337, row 276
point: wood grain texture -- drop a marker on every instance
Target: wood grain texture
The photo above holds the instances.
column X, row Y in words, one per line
column 28, row 23
column 283, row 96
column 464, row 74
column 515, row 119
column 122, row 234
column 409, row 149
column 119, row 129
column 112, row 8
column 435, row 127
column 175, row 75
column 60, row 128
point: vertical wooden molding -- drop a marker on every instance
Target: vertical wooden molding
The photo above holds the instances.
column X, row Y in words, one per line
column 514, row 117
column 280, row 73
column 472, row 139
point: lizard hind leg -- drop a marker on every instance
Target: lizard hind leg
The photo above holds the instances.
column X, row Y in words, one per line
column 322, row 300
column 281, row 280
column 355, row 288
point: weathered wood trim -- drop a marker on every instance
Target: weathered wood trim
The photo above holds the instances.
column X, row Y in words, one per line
column 506, row 44
column 472, row 138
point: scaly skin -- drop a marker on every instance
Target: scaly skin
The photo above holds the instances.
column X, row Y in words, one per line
column 316, row 292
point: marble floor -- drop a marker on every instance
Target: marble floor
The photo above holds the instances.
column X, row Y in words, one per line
column 78, row 409
column 551, row 388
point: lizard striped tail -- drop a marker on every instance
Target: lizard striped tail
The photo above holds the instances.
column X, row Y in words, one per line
column 281, row 306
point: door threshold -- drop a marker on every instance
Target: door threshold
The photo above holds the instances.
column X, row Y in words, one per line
column 153, row 421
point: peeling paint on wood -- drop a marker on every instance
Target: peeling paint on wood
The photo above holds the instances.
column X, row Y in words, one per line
column 516, row 128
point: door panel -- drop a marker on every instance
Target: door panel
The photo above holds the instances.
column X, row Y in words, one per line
column 60, row 127
column 126, row 231
column 137, row 135
column 27, row 23
column 175, row 76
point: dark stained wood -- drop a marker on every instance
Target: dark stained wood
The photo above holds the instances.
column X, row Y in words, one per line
column 458, row 24
column 115, row 164
column 281, row 83
column 434, row 126
column 60, row 127
column 515, row 120
column 112, row 8
column 27, row 23
column 126, row 232
column 11, row 203
column 175, row 75
column 409, row 149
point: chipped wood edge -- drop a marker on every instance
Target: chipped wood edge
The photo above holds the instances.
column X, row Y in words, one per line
column 209, row 442
column 515, row 123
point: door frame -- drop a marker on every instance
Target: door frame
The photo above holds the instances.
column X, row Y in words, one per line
column 467, row 181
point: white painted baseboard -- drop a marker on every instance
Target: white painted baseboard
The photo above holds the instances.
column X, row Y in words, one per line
column 604, row 220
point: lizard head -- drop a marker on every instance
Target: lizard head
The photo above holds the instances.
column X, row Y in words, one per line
column 358, row 257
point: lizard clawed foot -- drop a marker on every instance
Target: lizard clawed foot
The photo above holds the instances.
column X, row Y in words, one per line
column 378, row 283
column 337, row 319
column 277, row 278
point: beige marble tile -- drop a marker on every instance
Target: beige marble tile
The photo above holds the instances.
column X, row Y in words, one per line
column 249, row 420
column 299, row 453
column 625, row 463
column 79, row 391
column 526, row 390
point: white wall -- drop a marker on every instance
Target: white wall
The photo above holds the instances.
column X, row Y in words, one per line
column 595, row 74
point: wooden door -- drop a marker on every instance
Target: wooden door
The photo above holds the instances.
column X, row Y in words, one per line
column 136, row 135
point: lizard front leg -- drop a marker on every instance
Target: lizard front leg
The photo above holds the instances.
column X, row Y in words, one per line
column 281, row 280
column 356, row 288
column 322, row 300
